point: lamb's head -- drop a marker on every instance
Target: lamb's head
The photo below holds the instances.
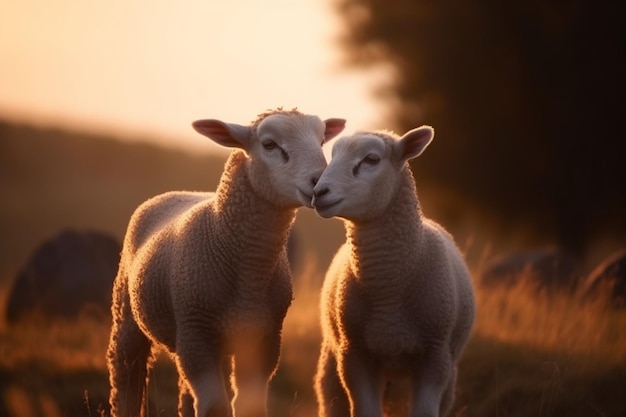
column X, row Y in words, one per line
column 364, row 171
column 283, row 152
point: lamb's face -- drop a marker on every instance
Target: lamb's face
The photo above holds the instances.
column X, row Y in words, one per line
column 360, row 179
column 284, row 150
column 286, row 158
column 364, row 172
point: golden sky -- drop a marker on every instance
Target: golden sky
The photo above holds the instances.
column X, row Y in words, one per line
column 149, row 68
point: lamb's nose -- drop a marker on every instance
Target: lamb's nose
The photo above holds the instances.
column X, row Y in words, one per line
column 314, row 180
column 319, row 192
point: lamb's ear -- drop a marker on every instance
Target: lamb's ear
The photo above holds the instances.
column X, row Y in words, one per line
column 413, row 142
column 231, row 135
column 333, row 128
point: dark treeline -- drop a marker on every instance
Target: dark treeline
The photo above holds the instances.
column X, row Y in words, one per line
column 526, row 97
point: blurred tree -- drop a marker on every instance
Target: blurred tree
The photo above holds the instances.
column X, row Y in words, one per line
column 526, row 97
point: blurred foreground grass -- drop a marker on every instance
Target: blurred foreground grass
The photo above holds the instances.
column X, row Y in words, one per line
column 529, row 356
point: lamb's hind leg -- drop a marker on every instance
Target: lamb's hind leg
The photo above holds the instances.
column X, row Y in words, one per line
column 128, row 358
column 331, row 396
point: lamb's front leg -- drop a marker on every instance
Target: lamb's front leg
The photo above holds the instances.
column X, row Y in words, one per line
column 429, row 379
column 185, row 399
column 362, row 380
column 331, row 396
column 254, row 366
column 200, row 365
column 448, row 395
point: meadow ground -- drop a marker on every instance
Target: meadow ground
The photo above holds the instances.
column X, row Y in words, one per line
column 530, row 355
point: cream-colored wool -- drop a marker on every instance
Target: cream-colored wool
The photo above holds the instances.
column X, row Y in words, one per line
column 397, row 300
column 206, row 276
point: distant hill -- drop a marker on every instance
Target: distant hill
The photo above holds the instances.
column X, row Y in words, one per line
column 53, row 179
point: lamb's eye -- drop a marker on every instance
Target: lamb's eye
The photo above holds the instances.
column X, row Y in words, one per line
column 269, row 145
column 371, row 159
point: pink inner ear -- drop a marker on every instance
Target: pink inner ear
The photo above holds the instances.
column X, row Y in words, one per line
column 416, row 144
column 217, row 131
column 209, row 127
column 415, row 141
column 333, row 127
column 212, row 130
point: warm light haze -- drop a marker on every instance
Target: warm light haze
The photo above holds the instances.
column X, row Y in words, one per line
column 146, row 70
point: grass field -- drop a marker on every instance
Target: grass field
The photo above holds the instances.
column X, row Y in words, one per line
column 529, row 356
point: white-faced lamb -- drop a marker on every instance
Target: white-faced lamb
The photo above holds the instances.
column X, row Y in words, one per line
column 206, row 276
column 397, row 300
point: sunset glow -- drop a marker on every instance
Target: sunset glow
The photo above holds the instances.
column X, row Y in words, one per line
column 147, row 69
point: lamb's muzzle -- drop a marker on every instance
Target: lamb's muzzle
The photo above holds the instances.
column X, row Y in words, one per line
column 323, row 201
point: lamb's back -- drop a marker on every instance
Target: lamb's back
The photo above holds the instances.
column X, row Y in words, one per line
column 158, row 213
column 156, row 257
column 455, row 293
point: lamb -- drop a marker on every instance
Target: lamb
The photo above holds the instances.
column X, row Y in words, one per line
column 397, row 301
column 206, row 276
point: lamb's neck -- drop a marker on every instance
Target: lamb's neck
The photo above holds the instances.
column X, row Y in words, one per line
column 249, row 223
column 390, row 238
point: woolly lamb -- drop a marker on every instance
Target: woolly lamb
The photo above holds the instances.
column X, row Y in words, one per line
column 206, row 276
column 397, row 300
